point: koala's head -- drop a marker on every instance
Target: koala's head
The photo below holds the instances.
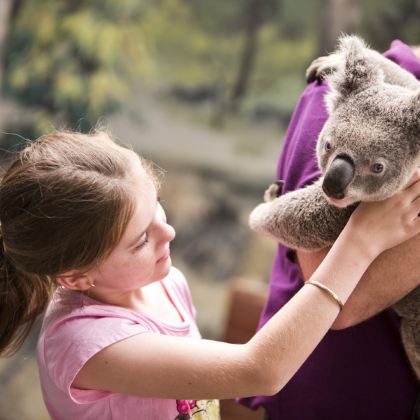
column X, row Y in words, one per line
column 370, row 144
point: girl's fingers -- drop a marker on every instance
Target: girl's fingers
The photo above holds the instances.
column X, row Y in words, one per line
column 416, row 226
column 412, row 200
column 415, row 177
column 412, row 191
column 415, row 208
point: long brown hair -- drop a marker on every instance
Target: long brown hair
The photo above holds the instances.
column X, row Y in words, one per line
column 65, row 201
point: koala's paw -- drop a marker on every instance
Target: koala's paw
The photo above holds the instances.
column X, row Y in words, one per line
column 321, row 67
column 273, row 191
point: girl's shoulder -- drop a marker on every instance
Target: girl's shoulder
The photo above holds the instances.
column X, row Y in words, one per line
column 76, row 318
column 75, row 311
column 68, row 304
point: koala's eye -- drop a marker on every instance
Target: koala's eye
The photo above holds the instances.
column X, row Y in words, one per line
column 377, row 168
column 327, row 146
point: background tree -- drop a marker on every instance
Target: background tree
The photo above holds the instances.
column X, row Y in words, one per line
column 336, row 16
column 385, row 20
column 253, row 17
column 83, row 59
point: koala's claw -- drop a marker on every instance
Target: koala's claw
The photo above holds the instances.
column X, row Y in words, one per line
column 273, row 191
column 321, row 67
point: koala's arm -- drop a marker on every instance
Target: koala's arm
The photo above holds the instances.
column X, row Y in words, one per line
column 394, row 274
column 300, row 219
column 394, row 74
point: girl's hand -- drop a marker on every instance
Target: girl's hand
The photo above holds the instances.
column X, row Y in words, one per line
column 377, row 226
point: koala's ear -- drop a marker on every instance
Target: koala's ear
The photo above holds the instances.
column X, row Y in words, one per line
column 354, row 73
column 414, row 107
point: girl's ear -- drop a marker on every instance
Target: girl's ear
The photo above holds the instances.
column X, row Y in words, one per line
column 354, row 73
column 74, row 280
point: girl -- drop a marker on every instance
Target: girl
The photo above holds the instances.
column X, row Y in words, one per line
column 119, row 338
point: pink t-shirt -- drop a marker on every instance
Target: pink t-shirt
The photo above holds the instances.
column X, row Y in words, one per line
column 77, row 327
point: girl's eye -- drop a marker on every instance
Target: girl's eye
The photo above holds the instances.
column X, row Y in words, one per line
column 142, row 244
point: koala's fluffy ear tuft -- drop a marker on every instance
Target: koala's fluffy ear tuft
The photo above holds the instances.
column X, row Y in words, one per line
column 414, row 107
column 354, row 73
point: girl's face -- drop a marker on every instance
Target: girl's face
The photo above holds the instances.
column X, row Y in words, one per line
column 142, row 256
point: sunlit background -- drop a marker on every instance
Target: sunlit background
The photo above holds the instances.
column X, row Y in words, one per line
column 203, row 88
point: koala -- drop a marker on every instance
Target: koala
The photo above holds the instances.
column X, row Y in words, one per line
column 367, row 150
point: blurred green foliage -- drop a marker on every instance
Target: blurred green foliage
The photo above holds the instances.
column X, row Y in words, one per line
column 73, row 62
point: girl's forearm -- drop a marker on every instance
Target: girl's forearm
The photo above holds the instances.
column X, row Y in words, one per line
column 288, row 338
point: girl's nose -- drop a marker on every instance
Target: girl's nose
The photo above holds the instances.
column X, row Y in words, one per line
column 164, row 232
column 169, row 232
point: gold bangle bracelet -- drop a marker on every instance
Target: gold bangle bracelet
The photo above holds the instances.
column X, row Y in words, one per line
column 327, row 290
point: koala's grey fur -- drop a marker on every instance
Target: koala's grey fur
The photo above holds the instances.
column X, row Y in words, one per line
column 372, row 139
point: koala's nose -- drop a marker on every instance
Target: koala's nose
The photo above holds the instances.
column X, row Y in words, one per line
column 338, row 177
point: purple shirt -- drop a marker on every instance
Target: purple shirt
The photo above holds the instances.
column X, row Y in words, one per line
column 357, row 373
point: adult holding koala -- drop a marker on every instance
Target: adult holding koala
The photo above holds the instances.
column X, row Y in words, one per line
column 359, row 372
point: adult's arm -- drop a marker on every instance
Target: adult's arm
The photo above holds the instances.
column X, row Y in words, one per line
column 389, row 278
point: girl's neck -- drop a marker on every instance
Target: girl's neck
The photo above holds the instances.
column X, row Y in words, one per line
column 152, row 299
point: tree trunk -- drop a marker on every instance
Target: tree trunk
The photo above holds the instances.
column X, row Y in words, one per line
column 252, row 24
column 336, row 17
column 388, row 26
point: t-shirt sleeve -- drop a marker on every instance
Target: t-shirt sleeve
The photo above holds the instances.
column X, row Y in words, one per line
column 72, row 341
column 297, row 164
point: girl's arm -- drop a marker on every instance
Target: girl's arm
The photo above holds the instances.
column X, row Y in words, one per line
column 153, row 365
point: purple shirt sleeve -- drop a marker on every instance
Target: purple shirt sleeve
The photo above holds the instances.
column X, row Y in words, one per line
column 297, row 164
